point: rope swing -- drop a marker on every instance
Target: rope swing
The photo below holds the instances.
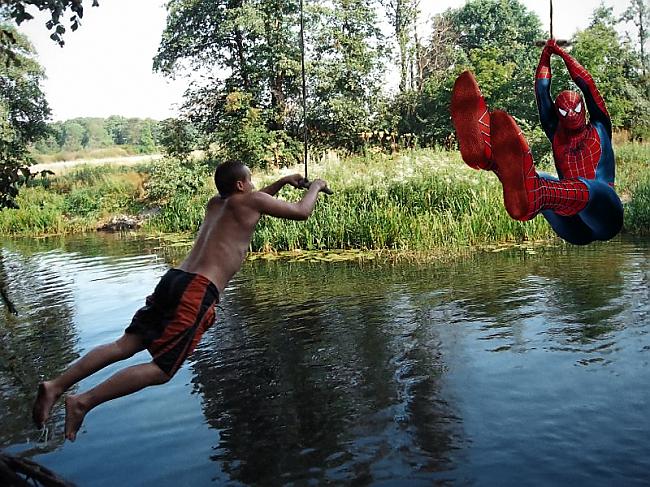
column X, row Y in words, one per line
column 306, row 183
column 560, row 42
column 304, row 87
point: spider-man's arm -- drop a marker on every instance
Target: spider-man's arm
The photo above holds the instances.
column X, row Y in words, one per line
column 545, row 107
column 581, row 77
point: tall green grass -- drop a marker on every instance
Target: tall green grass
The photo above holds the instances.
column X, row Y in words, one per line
column 633, row 186
column 75, row 202
column 414, row 201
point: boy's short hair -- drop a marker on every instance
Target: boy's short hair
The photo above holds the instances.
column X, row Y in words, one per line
column 227, row 174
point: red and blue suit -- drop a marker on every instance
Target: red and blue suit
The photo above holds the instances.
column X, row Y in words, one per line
column 580, row 204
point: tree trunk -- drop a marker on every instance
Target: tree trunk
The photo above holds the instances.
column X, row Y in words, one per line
column 21, row 472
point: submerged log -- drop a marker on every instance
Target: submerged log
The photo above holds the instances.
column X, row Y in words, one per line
column 20, row 472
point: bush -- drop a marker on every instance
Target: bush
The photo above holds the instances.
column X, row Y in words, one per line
column 82, row 202
column 169, row 177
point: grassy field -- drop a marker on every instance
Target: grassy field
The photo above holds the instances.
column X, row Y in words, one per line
column 417, row 201
column 115, row 152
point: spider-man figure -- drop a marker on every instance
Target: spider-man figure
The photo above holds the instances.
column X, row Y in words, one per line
column 581, row 205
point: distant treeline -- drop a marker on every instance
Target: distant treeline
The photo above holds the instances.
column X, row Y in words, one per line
column 252, row 109
column 138, row 135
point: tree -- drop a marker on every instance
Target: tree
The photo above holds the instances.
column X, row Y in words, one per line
column 441, row 52
column 95, row 136
column 243, row 47
column 493, row 38
column 616, row 70
column 639, row 14
column 73, row 136
column 345, row 71
column 17, row 10
column 178, row 138
column 117, row 127
column 498, row 37
column 23, row 108
column 402, row 15
column 23, row 114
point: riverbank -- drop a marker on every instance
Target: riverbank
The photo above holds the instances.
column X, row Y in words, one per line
column 62, row 167
column 413, row 202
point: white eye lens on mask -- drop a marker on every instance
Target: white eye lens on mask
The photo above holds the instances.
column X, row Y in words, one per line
column 562, row 112
column 578, row 108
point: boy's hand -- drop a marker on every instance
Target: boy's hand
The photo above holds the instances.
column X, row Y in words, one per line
column 322, row 186
column 320, row 183
column 295, row 180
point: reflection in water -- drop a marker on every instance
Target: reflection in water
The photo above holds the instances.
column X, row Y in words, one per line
column 41, row 339
column 36, row 342
column 333, row 381
column 499, row 366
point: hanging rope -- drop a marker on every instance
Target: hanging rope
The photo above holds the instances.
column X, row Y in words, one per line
column 551, row 13
column 560, row 42
column 325, row 190
column 304, row 87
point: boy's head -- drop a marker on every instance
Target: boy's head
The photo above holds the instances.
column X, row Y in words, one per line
column 232, row 177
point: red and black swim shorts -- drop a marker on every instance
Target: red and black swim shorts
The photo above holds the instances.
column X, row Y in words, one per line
column 175, row 317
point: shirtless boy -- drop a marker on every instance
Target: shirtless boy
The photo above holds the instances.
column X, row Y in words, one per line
column 181, row 307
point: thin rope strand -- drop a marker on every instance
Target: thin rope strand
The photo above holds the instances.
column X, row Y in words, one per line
column 304, row 85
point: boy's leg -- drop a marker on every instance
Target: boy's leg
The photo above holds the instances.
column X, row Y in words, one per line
column 98, row 358
column 123, row 382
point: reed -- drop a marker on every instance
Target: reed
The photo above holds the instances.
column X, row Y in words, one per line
column 75, row 202
column 415, row 214
column 414, row 201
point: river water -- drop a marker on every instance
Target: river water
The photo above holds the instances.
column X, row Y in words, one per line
column 519, row 367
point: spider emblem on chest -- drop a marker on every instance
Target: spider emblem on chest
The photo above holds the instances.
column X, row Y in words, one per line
column 579, row 155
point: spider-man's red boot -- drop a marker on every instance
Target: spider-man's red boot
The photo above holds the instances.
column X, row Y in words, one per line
column 525, row 193
column 471, row 119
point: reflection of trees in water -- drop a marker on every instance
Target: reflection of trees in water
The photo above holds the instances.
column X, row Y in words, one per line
column 575, row 288
column 312, row 378
column 318, row 371
column 38, row 342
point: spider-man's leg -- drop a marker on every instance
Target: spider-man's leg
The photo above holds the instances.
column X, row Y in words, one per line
column 471, row 119
column 579, row 210
column 601, row 219
column 604, row 213
column 525, row 193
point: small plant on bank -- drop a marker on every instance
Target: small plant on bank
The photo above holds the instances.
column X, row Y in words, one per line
column 170, row 177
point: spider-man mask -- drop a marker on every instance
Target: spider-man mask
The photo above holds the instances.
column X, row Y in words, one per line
column 570, row 109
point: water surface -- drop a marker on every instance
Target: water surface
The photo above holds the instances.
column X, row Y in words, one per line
column 504, row 368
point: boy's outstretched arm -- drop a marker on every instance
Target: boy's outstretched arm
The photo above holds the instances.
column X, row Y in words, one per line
column 273, row 188
column 300, row 210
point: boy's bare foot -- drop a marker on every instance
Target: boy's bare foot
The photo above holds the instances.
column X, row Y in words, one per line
column 75, row 413
column 45, row 399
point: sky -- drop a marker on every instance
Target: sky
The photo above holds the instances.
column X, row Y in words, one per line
column 105, row 67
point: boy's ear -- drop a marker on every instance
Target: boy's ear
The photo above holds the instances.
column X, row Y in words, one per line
column 239, row 185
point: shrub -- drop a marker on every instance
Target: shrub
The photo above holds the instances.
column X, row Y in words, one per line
column 169, row 177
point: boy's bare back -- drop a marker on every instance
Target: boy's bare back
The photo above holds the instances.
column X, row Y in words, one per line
column 225, row 234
